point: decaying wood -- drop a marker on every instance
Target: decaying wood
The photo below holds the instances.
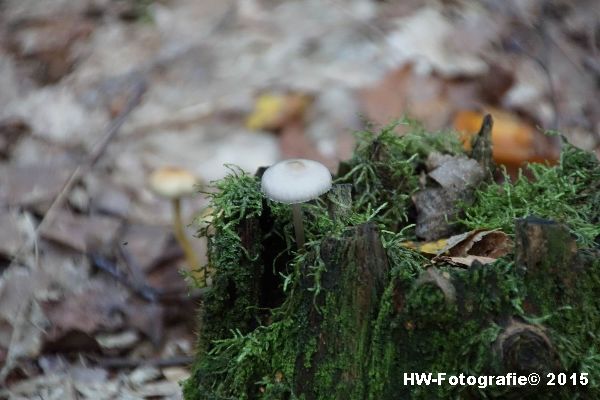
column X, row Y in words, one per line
column 483, row 147
column 356, row 273
column 354, row 354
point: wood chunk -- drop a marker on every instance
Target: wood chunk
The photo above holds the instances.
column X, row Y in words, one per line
column 434, row 210
column 483, row 147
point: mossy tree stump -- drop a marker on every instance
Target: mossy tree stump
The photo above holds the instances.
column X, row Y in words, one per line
column 348, row 316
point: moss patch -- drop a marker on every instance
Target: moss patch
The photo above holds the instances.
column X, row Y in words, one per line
column 568, row 192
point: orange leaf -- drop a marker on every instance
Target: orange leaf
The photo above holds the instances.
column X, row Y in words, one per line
column 512, row 138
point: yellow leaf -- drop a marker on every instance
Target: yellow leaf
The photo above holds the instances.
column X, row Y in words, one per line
column 268, row 107
column 432, row 248
column 272, row 111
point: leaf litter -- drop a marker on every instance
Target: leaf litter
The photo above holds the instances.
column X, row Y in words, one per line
column 67, row 70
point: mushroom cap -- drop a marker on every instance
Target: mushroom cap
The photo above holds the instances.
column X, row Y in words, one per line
column 295, row 181
column 172, row 182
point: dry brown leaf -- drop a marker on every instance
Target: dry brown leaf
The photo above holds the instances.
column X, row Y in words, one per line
column 437, row 208
column 479, row 242
column 102, row 307
column 136, row 240
column 482, row 245
column 21, row 320
column 44, row 46
column 82, row 233
column 30, row 185
column 465, row 261
column 404, row 92
column 99, row 306
column 13, row 232
column 11, row 131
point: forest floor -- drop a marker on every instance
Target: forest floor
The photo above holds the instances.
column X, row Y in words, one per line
column 93, row 303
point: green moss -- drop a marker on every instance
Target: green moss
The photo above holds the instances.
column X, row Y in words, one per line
column 568, row 193
column 384, row 170
column 237, row 203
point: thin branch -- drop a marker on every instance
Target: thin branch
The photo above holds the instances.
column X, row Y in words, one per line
column 144, row 291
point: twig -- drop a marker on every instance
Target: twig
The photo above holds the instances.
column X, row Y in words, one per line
column 144, row 291
column 137, row 275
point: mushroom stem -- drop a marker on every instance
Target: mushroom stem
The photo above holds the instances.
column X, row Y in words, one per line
column 298, row 226
column 188, row 251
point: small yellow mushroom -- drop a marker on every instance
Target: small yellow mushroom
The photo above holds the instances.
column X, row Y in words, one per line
column 174, row 183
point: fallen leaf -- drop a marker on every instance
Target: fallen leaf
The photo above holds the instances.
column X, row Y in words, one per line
column 138, row 236
column 106, row 197
column 457, row 172
column 22, row 321
column 102, row 307
column 437, row 43
column 432, row 248
column 81, row 233
column 482, row 245
column 273, row 111
column 56, row 114
column 494, row 244
column 403, row 91
column 29, row 185
column 161, row 389
column 11, row 130
column 99, row 306
column 465, row 261
column 117, row 341
column 13, row 235
column 176, row 374
column 455, row 178
column 514, row 140
column 44, row 46
column 143, row 375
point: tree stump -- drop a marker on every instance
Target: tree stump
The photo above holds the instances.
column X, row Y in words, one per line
column 355, row 313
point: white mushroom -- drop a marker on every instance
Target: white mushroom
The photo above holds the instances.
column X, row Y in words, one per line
column 174, row 183
column 293, row 182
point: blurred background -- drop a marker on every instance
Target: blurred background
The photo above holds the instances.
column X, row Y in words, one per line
column 101, row 93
